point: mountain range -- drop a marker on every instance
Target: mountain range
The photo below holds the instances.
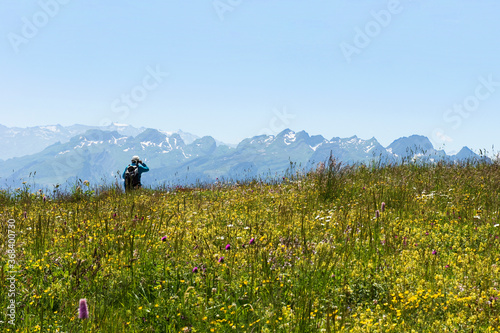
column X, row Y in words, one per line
column 17, row 142
column 50, row 155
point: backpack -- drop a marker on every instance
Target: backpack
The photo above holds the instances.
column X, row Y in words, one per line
column 132, row 177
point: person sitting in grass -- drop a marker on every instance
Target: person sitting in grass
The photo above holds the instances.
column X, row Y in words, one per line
column 132, row 173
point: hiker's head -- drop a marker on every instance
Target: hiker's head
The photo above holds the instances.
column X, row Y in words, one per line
column 135, row 159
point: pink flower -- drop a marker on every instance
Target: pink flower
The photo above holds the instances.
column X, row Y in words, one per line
column 164, row 239
column 83, row 311
column 252, row 241
column 195, row 270
column 221, row 260
column 228, row 247
column 377, row 214
column 382, row 207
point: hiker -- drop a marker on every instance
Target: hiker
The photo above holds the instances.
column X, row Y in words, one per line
column 132, row 173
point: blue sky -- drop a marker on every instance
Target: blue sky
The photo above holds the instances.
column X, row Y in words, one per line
column 237, row 68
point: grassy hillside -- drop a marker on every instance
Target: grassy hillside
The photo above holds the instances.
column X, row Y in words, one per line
column 357, row 249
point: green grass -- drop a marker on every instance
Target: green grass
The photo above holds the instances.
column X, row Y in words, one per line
column 320, row 260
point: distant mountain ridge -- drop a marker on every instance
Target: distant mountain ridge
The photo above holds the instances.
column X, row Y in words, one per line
column 101, row 155
column 17, row 142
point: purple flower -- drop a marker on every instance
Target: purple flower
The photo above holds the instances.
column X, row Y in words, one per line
column 195, row 270
column 164, row 239
column 228, row 247
column 25, row 214
column 44, row 198
column 382, row 207
column 434, row 252
column 252, row 241
column 377, row 214
column 221, row 260
column 83, row 311
column 114, row 215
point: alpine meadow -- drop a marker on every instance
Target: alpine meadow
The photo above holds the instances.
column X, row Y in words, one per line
column 407, row 247
column 238, row 166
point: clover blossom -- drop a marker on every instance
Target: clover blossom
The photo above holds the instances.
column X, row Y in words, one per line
column 83, row 311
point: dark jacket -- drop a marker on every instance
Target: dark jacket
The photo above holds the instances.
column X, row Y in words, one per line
column 142, row 168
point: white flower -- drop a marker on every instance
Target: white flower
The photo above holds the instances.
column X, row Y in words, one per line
column 496, row 225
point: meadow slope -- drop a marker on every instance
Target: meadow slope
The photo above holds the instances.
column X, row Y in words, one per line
column 406, row 248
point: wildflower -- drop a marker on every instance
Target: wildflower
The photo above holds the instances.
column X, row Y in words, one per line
column 377, row 214
column 434, row 252
column 221, row 260
column 25, row 214
column 228, row 247
column 83, row 311
column 252, row 241
column 44, row 198
column 195, row 270
column 382, row 207
column 164, row 239
column 496, row 225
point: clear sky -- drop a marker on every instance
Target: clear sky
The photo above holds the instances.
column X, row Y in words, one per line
column 237, row 68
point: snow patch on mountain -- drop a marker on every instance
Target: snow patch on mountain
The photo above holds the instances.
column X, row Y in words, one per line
column 51, row 128
column 87, row 143
column 289, row 138
column 316, row 147
column 369, row 148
